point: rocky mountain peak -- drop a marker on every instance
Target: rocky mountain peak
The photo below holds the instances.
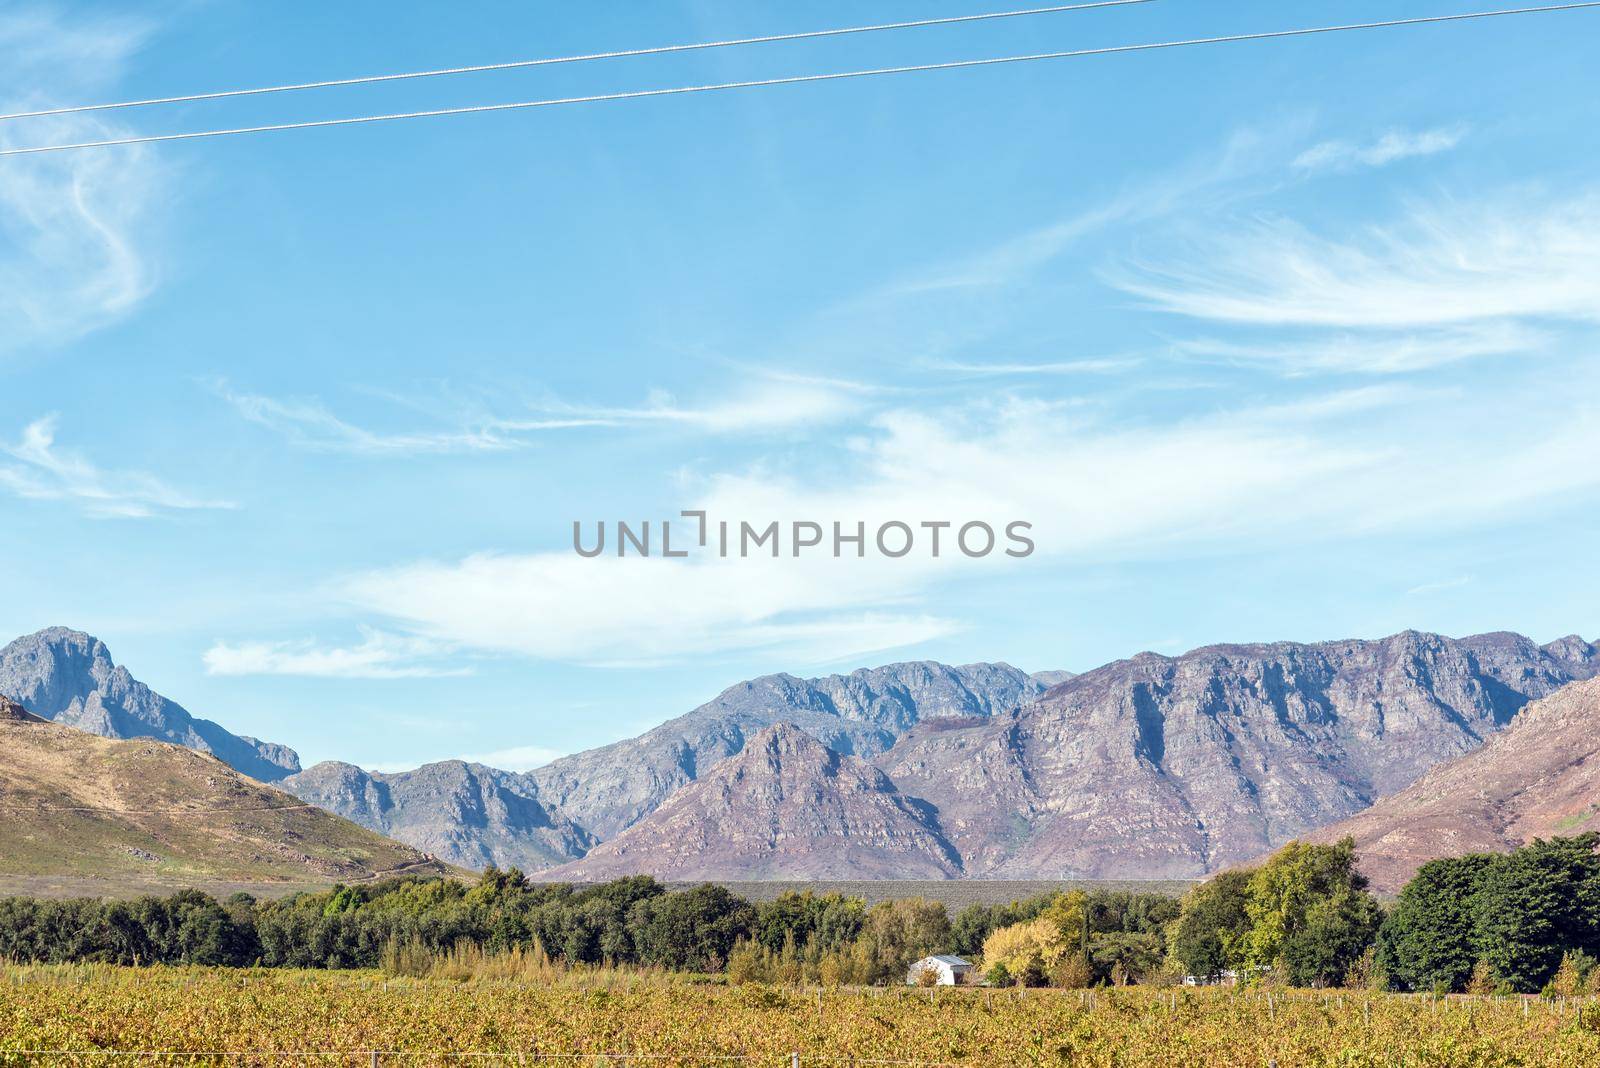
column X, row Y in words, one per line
column 12, row 712
column 69, row 677
column 468, row 814
column 786, row 806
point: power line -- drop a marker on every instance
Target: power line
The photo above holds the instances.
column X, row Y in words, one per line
column 623, row 54
column 679, row 90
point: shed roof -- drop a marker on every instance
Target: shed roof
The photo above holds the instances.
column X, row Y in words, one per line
column 952, row 961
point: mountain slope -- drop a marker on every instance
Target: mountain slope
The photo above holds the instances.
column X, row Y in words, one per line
column 69, row 677
column 1162, row 767
column 86, row 814
column 466, row 814
column 1537, row 778
column 607, row 790
column 786, row 806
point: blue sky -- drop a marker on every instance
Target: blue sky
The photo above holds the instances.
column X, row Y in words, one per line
column 1289, row 340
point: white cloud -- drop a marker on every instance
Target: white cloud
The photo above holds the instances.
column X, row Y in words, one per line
column 610, row 611
column 1392, row 146
column 43, row 471
column 1086, row 366
column 1215, row 176
column 1440, row 586
column 767, row 402
column 379, row 656
column 309, row 424
column 764, row 402
column 1447, row 264
column 1324, row 466
column 75, row 224
column 517, row 758
column 1380, row 352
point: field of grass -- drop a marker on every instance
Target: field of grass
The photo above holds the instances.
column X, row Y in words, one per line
column 665, row 1020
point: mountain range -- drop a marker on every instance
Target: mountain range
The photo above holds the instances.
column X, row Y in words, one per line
column 1153, row 767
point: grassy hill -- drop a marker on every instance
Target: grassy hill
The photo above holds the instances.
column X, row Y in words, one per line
column 81, row 814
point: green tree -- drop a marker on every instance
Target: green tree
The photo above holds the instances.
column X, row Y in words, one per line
column 1207, row 937
column 1427, row 941
column 896, row 933
column 693, row 930
column 1310, row 913
column 1536, row 903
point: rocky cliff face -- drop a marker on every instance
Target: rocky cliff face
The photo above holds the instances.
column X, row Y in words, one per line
column 465, row 814
column 786, row 806
column 1162, row 767
column 1151, row 767
column 609, row 789
column 1537, row 778
column 69, row 677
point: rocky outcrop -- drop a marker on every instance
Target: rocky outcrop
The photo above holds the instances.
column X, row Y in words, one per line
column 786, row 807
column 1171, row 767
column 69, row 677
column 1537, row 778
column 863, row 713
column 466, row 814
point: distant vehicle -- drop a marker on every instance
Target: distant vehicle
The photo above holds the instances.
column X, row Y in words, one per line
column 946, row 971
column 1226, row 977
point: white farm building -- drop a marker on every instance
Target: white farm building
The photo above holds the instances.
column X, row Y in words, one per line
column 947, row 971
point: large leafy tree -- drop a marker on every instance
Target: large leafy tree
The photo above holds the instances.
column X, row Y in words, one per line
column 1020, row 944
column 1207, row 937
column 1427, row 941
column 1534, row 904
column 1310, row 913
column 694, row 929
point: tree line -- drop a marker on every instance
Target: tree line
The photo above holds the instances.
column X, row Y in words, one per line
column 1520, row 922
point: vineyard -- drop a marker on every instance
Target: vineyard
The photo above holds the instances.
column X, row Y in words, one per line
column 74, row 1014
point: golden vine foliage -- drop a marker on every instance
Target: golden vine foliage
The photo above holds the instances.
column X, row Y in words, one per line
column 676, row 1020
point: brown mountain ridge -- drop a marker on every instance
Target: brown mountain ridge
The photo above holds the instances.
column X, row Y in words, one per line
column 1538, row 778
column 787, row 806
column 83, row 814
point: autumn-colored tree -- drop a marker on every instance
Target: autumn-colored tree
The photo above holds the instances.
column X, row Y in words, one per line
column 1481, row 982
column 1014, row 946
column 1570, row 975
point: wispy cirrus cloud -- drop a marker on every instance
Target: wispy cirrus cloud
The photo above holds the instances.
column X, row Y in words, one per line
column 308, row 423
column 514, row 758
column 1096, row 487
column 760, row 403
column 76, row 225
column 1391, row 147
column 1380, row 352
column 39, row 469
column 1442, row 264
column 1440, row 586
column 559, row 606
column 378, row 656
column 1087, row 366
